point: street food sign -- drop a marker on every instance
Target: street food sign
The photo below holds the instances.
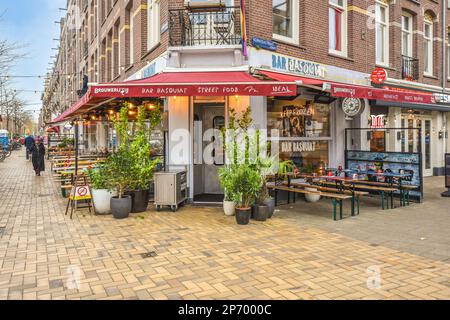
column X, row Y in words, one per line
column 80, row 193
column 158, row 90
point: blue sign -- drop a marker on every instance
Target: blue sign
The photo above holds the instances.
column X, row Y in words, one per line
column 264, row 44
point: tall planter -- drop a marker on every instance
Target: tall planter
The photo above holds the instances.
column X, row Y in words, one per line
column 102, row 201
column 140, row 199
column 243, row 216
column 270, row 203
column 121, row 207
column 229, row 208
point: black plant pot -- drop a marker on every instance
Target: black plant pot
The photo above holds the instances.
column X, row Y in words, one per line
column 243, row 216
column 261, row 213
column 121, row 208
column 140, row 199
column 271, row 204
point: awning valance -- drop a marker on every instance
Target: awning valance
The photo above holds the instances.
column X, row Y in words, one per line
column 348, row 91
column 167, row 84
column 284, row 77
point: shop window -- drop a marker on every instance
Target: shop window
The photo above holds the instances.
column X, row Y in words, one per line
column 299, row 118
column 304, row 130
column 286, row 20
column 338, row 27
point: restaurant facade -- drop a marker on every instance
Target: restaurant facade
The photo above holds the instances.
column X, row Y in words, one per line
column 309, row 98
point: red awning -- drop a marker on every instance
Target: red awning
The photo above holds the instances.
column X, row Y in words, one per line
column 195, row 84
column 291, row 78
column 227, row 83
column 348, row 91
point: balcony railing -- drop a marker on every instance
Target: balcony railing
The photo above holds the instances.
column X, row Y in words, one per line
column 218, row 26
column 410, row 68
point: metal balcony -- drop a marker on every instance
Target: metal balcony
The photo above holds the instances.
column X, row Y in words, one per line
column 206, row 27
column 410, row 68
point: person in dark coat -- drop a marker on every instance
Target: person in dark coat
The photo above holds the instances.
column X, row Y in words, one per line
column 38, row 157
column 29, row 142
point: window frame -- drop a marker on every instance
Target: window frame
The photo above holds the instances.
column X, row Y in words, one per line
column 430, row 47
column 409, row 34
column 153, row 30
column 343, row 28
column 385, row 24
column 295, row 21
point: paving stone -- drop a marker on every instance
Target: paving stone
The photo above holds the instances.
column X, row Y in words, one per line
column 201, row 254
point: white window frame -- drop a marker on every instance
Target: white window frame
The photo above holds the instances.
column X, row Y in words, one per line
column 409, row 34
column 344, row 28
column 430, row 44
column 153, row 23
column 295, row 25
column 378, row 21
column 131, row 38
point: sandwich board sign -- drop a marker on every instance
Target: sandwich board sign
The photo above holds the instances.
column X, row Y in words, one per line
column 80, row 193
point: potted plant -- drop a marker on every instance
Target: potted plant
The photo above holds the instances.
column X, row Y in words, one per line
column 143, row 165
column 101, row 196
column 246, row 182
column 119, row 168
column 226, row 181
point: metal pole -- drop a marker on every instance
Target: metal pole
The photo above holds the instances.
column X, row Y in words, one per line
column 76, row 148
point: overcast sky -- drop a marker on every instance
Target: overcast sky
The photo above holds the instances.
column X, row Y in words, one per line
column 31, row 22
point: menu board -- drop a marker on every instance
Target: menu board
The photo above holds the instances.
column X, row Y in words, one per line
column 447, row 170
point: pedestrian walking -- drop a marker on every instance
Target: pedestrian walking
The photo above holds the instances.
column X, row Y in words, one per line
column 29, row 142
column 38, row 157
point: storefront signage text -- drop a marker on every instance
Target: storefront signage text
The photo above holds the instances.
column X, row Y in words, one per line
column 194, row 90
column 297, row 66
column 378, row 76
column 300, row 146
column 297, row 112
column 378, row 121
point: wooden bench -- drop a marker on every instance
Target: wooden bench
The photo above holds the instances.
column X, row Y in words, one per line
column 335, row 198
column 356, row 195
column 384, row 192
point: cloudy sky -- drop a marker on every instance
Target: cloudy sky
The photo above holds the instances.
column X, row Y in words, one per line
column 32, row 23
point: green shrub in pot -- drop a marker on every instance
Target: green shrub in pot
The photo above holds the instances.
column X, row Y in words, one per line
column 101, row 196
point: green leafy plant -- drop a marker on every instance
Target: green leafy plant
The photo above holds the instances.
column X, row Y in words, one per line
column 119, row 167
column 227, row 182
column 143, row 166
column 285, row 168
column 246, row 182
column 99, row 177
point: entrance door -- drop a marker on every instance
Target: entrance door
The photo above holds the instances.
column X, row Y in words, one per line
column 419, row 140
column 206, row 176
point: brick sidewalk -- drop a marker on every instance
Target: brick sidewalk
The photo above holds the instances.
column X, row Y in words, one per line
column 196, row 254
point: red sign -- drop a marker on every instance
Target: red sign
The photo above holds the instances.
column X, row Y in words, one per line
column 347, row 91
column 378, row 121
column 378, row 76
column 134, row 91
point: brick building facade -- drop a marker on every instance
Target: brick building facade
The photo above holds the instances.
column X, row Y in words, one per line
column 117, row 40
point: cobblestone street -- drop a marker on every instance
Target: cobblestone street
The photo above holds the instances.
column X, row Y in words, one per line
column 198, row 253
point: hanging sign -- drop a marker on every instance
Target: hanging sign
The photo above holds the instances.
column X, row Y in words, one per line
column 352, row 107
column 80, row 193
column 378, row 121
column 378, row 76
column 264, row 44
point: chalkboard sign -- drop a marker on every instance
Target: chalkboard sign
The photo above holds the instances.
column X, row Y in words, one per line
column 447, row 170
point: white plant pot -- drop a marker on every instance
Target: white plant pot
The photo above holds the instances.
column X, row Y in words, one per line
column 102, row 201
column 229, row 208
column 312, row 197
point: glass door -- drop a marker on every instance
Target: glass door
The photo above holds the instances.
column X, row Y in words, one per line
column 426, row 147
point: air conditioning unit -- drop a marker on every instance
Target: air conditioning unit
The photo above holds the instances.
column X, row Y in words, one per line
column 204, row 3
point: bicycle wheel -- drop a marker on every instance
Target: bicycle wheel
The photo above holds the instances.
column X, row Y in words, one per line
column 7, row 153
